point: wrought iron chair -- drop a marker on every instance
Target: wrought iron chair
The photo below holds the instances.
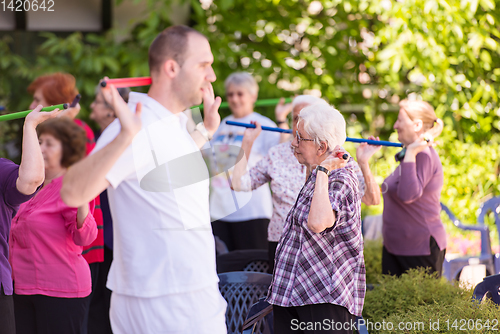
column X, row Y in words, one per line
column 453, row 267
column 259, row 319
column 241, row 290
column 493, row 205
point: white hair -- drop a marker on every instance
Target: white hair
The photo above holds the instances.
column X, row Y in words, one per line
column 242, row 79
column 324, row 123
column 307, row 99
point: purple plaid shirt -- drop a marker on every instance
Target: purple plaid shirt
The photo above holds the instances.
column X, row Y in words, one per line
column 326, row 267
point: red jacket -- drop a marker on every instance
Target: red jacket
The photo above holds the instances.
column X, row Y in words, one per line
column 95, row 251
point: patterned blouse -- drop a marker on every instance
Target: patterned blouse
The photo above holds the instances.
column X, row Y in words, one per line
column 326, row 267
column 287, row 176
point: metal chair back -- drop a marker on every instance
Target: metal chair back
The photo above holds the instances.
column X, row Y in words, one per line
column 241, row 289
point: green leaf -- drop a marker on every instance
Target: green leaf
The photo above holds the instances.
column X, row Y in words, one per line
column 225, row 4
column 487, row 4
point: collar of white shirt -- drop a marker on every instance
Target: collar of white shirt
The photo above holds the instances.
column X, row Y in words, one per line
column 156, row 107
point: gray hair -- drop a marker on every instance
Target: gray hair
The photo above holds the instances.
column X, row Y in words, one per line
column 307, row 99
column 243, row 79
column 324, row 123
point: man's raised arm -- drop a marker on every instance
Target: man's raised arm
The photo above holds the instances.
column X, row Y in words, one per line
column 87, row 178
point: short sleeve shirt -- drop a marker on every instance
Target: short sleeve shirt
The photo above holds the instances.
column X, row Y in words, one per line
column 10, row 200
column 163, row 242
column 326, row 267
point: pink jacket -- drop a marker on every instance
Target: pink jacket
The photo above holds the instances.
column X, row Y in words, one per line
column 46, row 246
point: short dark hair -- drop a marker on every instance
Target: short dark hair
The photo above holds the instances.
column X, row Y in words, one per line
column 72, row 137
column 171, row 43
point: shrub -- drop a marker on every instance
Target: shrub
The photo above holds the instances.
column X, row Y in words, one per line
column 373, row 260
column 417, row 297
column 459, row 316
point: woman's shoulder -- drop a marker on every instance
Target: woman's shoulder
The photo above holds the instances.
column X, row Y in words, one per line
column 346, row 175
column 428, row 156
column 6, row 166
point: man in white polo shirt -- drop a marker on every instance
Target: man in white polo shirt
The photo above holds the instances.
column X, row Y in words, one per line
column 163, row 274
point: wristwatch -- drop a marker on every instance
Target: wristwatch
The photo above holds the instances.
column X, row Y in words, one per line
column 323, row 169
column 201, row 128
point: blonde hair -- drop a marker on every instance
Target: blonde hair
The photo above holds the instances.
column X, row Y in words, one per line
column 425, row 112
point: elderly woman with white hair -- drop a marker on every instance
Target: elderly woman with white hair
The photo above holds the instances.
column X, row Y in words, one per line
column 319, row 272
column 240, row 219
column 286, row 175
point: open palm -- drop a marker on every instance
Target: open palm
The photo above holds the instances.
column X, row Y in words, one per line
column 365, row 151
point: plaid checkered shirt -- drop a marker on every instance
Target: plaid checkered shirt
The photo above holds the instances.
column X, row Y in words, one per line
column 326, row 267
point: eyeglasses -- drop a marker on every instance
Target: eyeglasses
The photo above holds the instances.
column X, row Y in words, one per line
column 299, row 138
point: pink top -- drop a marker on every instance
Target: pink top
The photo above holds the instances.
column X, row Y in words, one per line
column 46, row 246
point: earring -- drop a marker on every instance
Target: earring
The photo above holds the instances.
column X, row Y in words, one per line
column 109, row 114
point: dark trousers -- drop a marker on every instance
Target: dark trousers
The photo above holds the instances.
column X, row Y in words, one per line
column 97, row 320
column 249, row 234
column 397, row 264
column 39, row 314
column 7, row 320
column 272, row 255
column 312, row 319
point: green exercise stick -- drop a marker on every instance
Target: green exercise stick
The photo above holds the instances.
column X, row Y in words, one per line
column 23, row 114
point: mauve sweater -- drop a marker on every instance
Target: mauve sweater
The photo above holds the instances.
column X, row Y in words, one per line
column 411, row 206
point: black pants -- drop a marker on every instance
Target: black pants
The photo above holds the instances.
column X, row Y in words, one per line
column 272, row 255
column 39, row 314
column 7, row 320
column 312, row 319
column 97, row 320
column 397, row 264
column 249, row 234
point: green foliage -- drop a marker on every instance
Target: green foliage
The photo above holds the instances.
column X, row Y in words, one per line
column 12, row 67
column 398, row 295
column 450, row 51
column 471, row 175
column 420, row 297
column 373, row 260
column 363, row 56
column 458, row 316
column 366, row 56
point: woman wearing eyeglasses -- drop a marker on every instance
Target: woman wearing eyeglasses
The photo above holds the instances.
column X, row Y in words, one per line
column 319, row 270
column 286, row 175
column 240, row 219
